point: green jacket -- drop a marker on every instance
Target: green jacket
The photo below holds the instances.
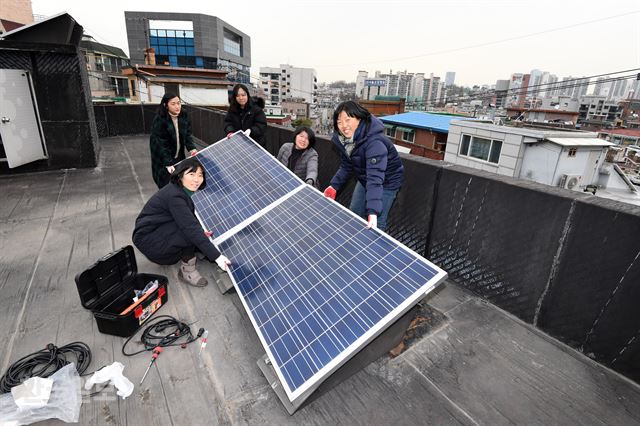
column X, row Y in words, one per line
column 163, row 145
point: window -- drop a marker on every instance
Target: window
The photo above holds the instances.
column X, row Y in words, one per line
column 408, row 136
column 232, row 43
column 572, row 152
column 481, row 148
column 464, row 146
column 390, row 131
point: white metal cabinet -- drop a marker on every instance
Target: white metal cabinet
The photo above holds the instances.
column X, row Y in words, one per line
column 20, row 126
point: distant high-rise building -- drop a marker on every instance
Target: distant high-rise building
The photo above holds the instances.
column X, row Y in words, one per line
column 574, row 87
column 189, row 40
column 598, row 86
column 362, row 76
column 416, row 85
column 286, row 82
column 404, row 83
column 449, row 78
column 518, row 88
column 502, row 88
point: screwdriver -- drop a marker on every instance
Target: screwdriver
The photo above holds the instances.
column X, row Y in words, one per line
column 156, row 352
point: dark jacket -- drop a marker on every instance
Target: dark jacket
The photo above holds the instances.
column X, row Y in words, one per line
column 167, row 224
column 307, row 165
column 163, row 145
column 374, row 161
column 251, row 117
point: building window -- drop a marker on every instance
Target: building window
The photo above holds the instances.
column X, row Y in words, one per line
column 572, row 152
column 481, row 148
column 390, row 131
column 174, row 47
column 232, row 43
column 408, row 136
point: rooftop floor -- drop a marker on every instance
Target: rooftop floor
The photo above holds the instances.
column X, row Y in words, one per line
column 479, row 366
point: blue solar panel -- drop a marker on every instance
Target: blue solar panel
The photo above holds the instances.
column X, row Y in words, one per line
column 318, row 285
column 242, row 179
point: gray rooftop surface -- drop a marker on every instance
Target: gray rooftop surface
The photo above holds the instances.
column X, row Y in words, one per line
column 479, row 366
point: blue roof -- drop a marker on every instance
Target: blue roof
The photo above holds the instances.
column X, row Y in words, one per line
column 422, row 120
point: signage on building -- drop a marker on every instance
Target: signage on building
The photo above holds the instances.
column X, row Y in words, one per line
column 376, row 83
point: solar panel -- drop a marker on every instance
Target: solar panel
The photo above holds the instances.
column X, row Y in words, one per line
column 318, row 285
column 242, row 179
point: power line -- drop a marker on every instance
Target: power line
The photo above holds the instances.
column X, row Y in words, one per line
column 474, row 46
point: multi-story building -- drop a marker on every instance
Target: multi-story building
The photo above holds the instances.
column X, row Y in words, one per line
column 296, row 108
column 362, row 76
column 449, row 78
column 279, row 84
column 404, row 83
column 501, row 93
column 598, row 110
column 189, row 40
column 104, row 65
column 518, row 88
column 574, row 87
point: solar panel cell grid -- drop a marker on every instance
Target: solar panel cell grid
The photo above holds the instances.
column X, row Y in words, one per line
column 313, row 289
column 242, row 179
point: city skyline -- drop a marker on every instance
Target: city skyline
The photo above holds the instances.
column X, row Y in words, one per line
column 490, row 41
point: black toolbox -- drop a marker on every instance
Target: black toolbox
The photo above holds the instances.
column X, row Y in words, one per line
column 106, row 288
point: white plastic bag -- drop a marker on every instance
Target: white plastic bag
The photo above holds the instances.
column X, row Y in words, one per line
column 64, row 402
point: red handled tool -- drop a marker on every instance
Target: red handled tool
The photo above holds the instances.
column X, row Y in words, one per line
column 156, row 353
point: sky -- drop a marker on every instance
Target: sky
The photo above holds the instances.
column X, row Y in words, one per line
column 481, row 41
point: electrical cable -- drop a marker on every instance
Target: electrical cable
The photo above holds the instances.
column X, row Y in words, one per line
column 45, row 362
column 163, row 331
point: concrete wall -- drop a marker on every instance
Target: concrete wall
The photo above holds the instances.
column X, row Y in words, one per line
column 564, row 261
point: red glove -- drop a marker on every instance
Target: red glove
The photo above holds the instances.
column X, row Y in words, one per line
column 229, row 135
column 372, row 221
column 330, row 192
column 208, row 234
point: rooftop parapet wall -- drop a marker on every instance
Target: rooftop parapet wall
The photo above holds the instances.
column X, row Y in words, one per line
column 564, row 261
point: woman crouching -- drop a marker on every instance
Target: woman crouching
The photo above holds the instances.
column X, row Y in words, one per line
column 167, row 230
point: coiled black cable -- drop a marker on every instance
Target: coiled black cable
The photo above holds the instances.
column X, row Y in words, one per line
column 46, row 362
column 163, row 331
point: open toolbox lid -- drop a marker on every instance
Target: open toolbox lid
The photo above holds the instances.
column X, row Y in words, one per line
column 107, row 273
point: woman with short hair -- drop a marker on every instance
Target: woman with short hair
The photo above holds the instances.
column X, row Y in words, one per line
column 167, row 230
column 299, row 155
column 367, row 154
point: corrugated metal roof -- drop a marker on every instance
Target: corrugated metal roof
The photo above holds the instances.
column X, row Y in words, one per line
column 422, row 120
column 580, row 141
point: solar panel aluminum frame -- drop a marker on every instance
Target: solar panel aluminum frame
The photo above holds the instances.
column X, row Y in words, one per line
column 298, row 396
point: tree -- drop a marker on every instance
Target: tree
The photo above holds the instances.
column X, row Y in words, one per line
column 303, row 121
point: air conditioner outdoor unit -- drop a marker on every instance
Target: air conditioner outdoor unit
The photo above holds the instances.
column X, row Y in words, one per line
column 570, row 182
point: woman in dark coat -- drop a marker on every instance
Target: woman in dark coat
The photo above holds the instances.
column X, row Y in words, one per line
column 368, row 155
column 245, row 114
column 167, row 230
column 170, row 135
column 300, row 157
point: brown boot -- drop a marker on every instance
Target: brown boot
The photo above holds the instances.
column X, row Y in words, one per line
column 190, row 274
